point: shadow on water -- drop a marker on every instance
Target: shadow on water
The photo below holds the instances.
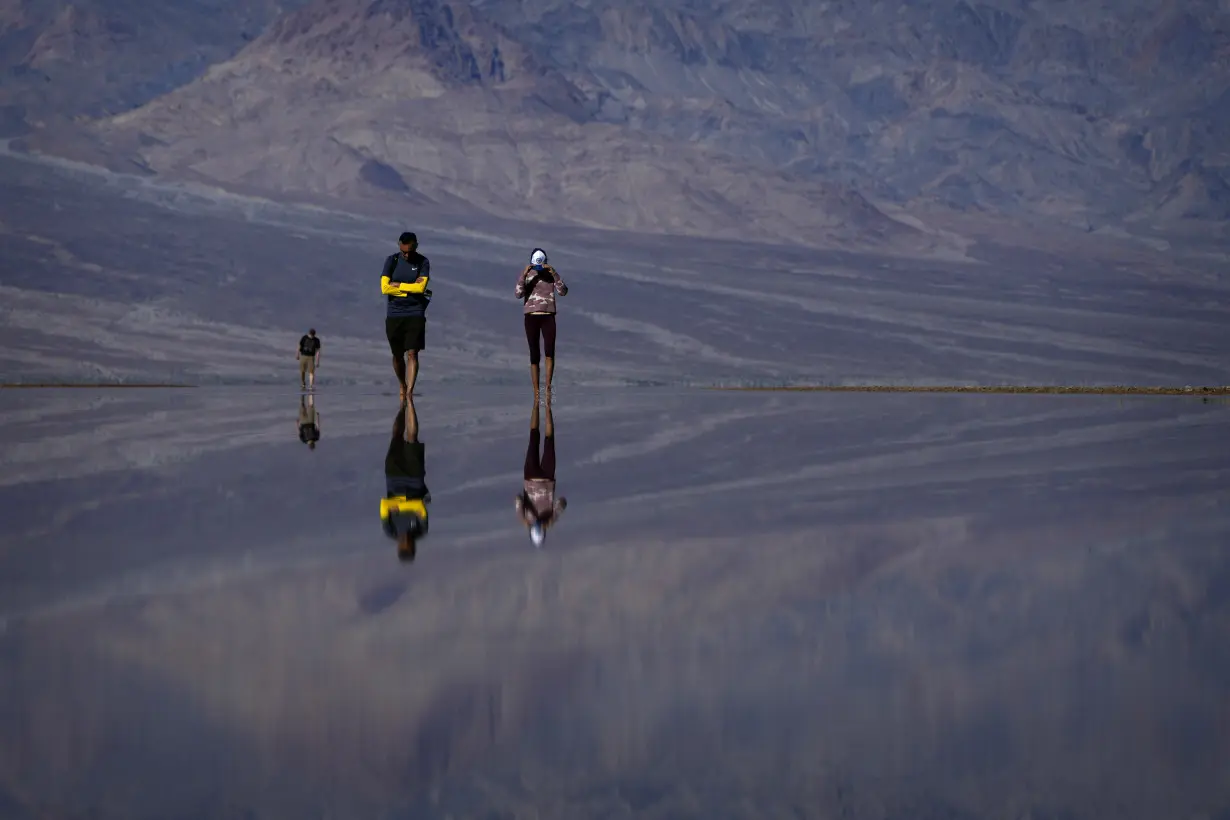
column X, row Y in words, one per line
column 379, row 598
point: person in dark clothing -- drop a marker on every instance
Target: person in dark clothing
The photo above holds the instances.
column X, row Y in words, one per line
column 309, row 359
column 309, row 422
column 404, row 282
column 537, row 287
column 403, row 510
column 537, row 507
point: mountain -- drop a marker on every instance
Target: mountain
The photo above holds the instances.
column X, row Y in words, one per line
column 90, row 58
column 426, row 103
column 779, row 119
column 1077, row 111
column 900, row 93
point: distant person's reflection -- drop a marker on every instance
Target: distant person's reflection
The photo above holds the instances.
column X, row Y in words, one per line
column 403, row 510
column 537, row 506
column 309, row 421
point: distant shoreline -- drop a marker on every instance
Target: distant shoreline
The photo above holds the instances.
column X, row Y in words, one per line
column 1025, row 389
column 86, row 385
column 1113, row 390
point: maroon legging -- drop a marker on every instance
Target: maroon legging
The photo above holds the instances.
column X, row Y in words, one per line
column 544, row 323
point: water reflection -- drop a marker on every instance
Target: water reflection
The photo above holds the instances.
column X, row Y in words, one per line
column 403, row 510
column 972, row 609
column 309, row 421
column 537, row 507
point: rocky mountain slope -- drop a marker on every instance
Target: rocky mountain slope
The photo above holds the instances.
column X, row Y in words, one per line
column 783, row 119
column 427, row 103
column 1083, row 109
column 61, row 59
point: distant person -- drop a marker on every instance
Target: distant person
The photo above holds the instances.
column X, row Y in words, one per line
column 309, row 359
column 537, row 507
column 404, row 281
column 403, row 510
column 309, row 421
column 536, row 288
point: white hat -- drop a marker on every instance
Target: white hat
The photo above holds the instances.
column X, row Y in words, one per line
column 538, row 257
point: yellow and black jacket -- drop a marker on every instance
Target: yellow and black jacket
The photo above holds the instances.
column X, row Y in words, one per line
column 414, row 276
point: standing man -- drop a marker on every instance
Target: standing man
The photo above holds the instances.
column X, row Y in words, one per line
column 309, row 359
column 404, row 283
column 536, row 288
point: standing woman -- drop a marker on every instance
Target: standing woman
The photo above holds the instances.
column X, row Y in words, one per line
column 536, row 288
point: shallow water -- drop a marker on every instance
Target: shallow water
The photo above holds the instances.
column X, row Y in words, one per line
column 754, row 605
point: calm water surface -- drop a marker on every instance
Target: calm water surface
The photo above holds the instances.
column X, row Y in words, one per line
column 753, row 605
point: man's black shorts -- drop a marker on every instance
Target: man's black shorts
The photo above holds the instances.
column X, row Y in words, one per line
column 405, row 333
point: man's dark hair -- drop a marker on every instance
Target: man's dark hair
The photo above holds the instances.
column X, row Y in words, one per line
column 407, row 238
column 312, row 331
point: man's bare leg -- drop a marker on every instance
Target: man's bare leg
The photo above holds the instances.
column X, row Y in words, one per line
column 550, row 373
column 399, row 367
column 412, row 370
column 534, row 417
column 534, row 381
column 550, row 429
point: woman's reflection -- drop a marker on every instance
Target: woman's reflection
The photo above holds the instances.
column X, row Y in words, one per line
column 536, row 506
column 309, row 422
column 403, row 510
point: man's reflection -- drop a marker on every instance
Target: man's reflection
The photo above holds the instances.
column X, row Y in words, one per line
column 403, row 510
column 537, row 506
column 309, row 422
